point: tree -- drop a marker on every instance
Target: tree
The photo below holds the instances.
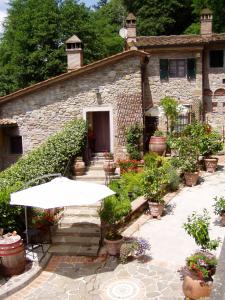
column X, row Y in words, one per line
column 160, row 17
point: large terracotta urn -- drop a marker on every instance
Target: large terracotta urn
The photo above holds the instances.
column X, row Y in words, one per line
column 195, row 289
column 157, row 144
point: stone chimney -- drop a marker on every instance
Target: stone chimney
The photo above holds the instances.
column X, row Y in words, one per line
column 74, row 50
column 131, row 28
column 206, row 21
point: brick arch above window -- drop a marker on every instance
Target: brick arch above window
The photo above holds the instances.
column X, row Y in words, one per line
column 219, row 92
column 207, row 92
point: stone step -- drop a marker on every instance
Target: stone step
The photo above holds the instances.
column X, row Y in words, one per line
column 76, row 240
column 74, row 250
column 79, row 231
column 88, row 211
column 94, row 167
column 79, row 221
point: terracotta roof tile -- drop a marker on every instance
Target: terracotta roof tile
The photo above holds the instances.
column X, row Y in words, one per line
column 178, row 40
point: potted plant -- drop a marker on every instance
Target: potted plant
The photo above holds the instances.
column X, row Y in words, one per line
column 201, row 266
column 109, row 165
column 135, row 247
column 78, row 166
column 211, row 144
column 171, row 109
column 128, row 165
column 133, row 135
column 157, row 142
column 113, row 210
column 189, row 162
column 219, row 208
column 155, row 181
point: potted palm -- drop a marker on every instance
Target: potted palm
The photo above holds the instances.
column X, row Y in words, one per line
column 211, row 144
column 155, row 181
column 200, row 266
column 157, row 142
column 111, row 213
column 219, row 208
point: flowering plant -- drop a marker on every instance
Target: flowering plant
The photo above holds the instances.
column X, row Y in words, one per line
column 44, row 219
column 133, row 246
column 202, row 265
column 128, row 165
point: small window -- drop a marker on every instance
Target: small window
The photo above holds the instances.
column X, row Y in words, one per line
column 15, row 145
column 216, row 58
column 177, row 68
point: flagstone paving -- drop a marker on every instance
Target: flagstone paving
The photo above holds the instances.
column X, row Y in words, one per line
column 154, row 278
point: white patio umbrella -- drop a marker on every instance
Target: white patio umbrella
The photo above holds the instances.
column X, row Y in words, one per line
column 60, row 192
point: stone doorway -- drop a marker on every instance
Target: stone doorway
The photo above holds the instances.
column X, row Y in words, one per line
column 99, row 131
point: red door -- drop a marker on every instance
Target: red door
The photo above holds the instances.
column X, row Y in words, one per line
column 101, row 131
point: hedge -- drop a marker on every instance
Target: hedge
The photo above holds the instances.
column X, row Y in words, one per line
column 50, row 157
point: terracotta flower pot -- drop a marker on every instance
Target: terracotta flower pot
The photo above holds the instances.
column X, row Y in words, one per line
column 223, row 219
column 156, row 209
column 195, row 289
column 191, row 179
column 109, row 167
column 211, row 164
column 157, row 144
column 113, row 246
column 78, row 167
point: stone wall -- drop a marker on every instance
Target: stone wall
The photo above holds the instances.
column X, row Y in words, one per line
column 44, row 112
column 214, row 93
column 186, row 91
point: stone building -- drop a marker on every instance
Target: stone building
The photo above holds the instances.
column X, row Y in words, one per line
column 120, row 90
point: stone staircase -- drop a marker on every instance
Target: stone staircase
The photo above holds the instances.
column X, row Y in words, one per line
column 78, row 233
column 95, row 172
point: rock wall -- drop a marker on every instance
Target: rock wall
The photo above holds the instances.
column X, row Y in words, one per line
column 44, row 112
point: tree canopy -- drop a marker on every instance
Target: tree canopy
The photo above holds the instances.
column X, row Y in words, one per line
column 32, row 47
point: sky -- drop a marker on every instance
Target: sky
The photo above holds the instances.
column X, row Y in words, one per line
column 3, row 8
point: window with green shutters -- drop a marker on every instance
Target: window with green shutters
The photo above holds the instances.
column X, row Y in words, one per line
column 191, row 68
column 174, row 68
column 164, row 69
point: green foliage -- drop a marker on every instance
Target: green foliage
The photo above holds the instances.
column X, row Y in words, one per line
column 128, row 165
column 50, row 157
column 203, row 264
column 133, row 246
column 133, row 135
column 11, row 216
column 211, row 143
column 171, row 110
column 173, row 178
column 197, row 226
column 113, row 210
column 219, row 206
column 152, row 160
column 155, row 182
column 158, row 133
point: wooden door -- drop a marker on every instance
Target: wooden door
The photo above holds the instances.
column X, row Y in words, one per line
column 101, row 131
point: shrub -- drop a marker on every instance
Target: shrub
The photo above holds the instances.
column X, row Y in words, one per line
column 171, row 110
column 50, row 157
column 219, row 206
column 173, row 179
column 211, row 144
column 12, row 217
column 133, row 135
column 113, row 210
column 136, row 246
column 152, row 159
column 197, row 226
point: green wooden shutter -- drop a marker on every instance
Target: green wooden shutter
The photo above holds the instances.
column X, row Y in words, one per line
column 164, row 69
column 191, row 68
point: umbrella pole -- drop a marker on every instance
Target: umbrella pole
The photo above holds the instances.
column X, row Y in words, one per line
column 26, row 224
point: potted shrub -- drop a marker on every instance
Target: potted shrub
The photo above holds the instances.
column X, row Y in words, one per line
column 201, row 266
column 128, row 165
column 188, row 157
column 155, row 181
column 133, row 135
column 134, row 247
column 211, row 144
column 157, row 143
column 219, row 208
column 112, row 212
column 109, row 165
